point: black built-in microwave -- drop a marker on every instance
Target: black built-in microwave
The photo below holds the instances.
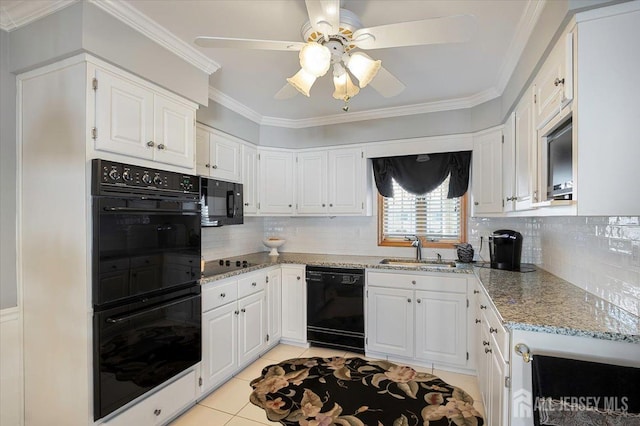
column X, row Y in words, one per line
column 222, row 202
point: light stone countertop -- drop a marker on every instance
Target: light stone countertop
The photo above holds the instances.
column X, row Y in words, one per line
column 533, row 301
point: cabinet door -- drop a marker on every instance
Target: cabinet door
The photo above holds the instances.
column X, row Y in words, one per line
column 252, row 327
column 484, row 368
column 124, row 117
column 274, row 305
column 203, row 153
column 390, row 321
column 219, row 345
column 294, row 304
column 276, row 183
column 346, row 181
column 441, row 327
column 499, row 395
column 225, row 157
column 174, row 132
column 250, row 179
column 312, row 182
column 526, row 172
column 549, row 85
column 487, row 173
column 509, row 163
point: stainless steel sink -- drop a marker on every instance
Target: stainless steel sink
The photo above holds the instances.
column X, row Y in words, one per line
column 412, row 263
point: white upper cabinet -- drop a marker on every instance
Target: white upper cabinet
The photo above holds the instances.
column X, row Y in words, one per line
column 487, row 172
column 312, row 195
column 554, row 83
column 218, row 155
column 608, row 93
column 331, row 182
column 276, row 193
column 135, row 119
column 347, row 183
column 525, row 154
column 250, row 179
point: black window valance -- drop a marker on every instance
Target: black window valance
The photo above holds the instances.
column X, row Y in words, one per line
column 420, row 174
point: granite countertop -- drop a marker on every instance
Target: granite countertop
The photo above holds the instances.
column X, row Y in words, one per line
column 533, row 301
column 540, row 301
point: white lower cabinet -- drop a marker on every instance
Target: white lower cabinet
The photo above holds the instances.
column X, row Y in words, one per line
column 234, row 326
column 418, row 316
column 294, row 304
column 274, row 306
column 160, row 407
column 493, row 363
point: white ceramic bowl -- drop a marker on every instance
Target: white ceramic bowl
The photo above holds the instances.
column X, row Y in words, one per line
column 273, row 245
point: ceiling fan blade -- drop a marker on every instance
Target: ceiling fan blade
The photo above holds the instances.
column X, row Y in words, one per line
column 448, row 29
column 324, row 15
column 386, row 83
column 246, row 43
column 287, row 92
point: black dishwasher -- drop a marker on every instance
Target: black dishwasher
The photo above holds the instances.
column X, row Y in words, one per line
column 335, row 308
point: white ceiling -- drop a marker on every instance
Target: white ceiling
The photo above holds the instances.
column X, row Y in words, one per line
column 437, row 77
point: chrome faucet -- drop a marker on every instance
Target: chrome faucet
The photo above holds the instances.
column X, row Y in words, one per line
column 417, row 243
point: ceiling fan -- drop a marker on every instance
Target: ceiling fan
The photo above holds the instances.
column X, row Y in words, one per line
column 335, row 37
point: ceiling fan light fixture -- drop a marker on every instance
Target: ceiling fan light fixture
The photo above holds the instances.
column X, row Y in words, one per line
column 302, row 81
column 345, row 89
column 315, row 59
column 363, row 68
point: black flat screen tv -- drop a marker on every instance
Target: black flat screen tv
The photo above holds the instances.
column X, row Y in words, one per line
column 560, row 163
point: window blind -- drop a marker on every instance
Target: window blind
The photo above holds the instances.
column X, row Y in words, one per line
column 431, row 216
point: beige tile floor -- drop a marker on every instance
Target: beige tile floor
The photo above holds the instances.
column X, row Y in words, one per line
column 229, row 404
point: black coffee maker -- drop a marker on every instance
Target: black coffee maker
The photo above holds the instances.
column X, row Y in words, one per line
column 505, row 249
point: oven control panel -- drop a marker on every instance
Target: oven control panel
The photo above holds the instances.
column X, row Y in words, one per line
column 110, row 175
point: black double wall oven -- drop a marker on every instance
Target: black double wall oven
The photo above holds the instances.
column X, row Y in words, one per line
column 146, row 267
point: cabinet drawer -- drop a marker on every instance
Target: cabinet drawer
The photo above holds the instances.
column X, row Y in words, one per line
column 497, row 332
column 251, row 283
column 161, row 406
column 419, row 281
column 219, row 294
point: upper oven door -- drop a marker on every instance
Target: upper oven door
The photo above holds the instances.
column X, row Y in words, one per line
column 143, row 246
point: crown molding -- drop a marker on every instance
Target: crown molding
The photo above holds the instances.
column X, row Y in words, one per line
column 151, row 29
column 235, row 106
column 525, row 27
column 16, row 14
column 374, row 114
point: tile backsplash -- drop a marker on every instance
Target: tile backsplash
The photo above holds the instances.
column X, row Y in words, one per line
column 598, row 254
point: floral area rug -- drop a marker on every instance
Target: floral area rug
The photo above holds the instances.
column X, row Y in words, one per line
column 357, row 392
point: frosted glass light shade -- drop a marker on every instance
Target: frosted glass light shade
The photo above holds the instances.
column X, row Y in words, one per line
column 315, row 59
column 302, row 81
column 345, row 89
column 363, row 68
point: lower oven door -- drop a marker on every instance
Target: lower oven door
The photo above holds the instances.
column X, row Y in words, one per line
column 140, row 345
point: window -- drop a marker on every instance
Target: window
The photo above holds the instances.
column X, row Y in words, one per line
column 438, row 221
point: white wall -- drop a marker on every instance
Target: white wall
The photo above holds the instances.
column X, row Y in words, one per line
column 222, row 118
column 8, row 288
column 10, row 368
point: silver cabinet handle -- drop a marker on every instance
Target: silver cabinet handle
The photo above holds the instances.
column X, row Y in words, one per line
column 267, row 279
column 324, row 205
column 236, row 312
column 243, row 310
column 493, row 330
column 290, row 205
column 223, row 295
column 487, row 351
column 485, row 343
column 161, row 146
column 475, row 203
column 558, row 82
column 214, row 166
column 157, row 411
column 408, row 300
column 476, row 291
column 207, row 165
column 330, row 205
column 478, row 321
column 483, row 307
column 150, row 144
column 253, row 284
column 246, row 204
column 413, row 282
column 418, row 300
column 298, row 278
